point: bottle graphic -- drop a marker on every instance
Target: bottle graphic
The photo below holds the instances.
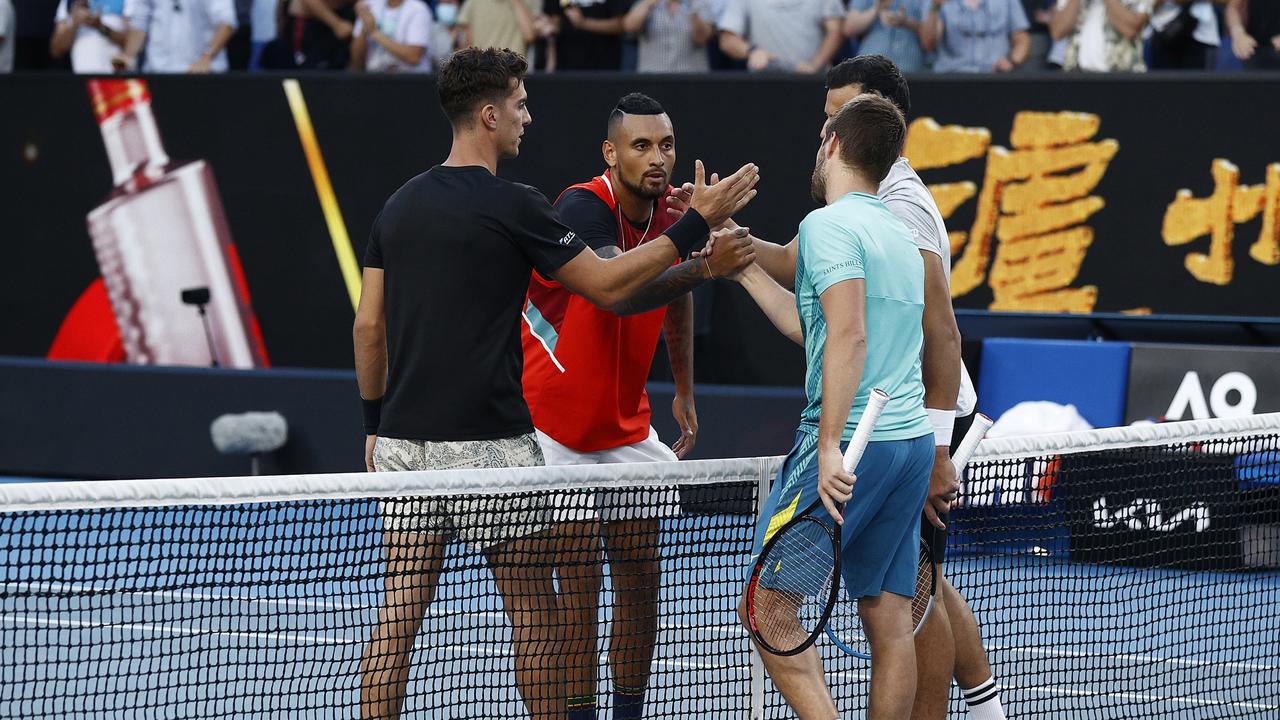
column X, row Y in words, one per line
column 162, row 244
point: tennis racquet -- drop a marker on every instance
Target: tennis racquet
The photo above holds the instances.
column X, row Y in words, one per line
column 844, row 627
column 795, row 580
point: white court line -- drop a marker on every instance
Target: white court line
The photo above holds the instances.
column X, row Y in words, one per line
column 1145, row 697
column 296, row 638
column 433, row 611
column 502, row 652
column 724, row 630
column 1046, row 652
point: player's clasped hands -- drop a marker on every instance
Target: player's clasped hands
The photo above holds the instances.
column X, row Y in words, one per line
column 835, row 484
column 728, row 252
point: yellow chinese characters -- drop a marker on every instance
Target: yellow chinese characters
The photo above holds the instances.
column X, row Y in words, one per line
column 1035, row 200
column 1188, row 218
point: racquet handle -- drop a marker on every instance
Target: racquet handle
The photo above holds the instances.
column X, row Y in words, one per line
column 964, row 453
column 862, row 433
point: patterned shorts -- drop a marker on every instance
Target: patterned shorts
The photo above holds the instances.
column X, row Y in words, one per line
column 483, row 522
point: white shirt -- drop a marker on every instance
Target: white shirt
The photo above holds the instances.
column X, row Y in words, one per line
column 8, row 26
column 909, row 199
column 1206, row 32
column 91, row 51
column 409, row 23
column 179, row 31
column 1093, row 41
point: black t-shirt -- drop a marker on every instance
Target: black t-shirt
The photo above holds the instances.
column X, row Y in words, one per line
column 457, row 246
column 1263, row 22
column 581, row 50
column 591, row 219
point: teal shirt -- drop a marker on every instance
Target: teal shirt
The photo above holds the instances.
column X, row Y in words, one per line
column 858, row 237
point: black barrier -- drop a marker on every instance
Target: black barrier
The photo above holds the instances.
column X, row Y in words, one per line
column 1062, row 192
column 1181, row 511
column 1173, row 382
column 76, row 420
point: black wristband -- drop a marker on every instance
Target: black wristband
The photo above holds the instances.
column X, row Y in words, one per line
column 688, row 231
column 372, row 415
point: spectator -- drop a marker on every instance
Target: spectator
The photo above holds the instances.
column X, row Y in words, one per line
column 313, row 35
column 93, row 34
column 506, row 24
column 32, row 28
column 1184, row 35
column 976, row 36
column 392, row 36
column 799, row 36
column 890, row 28
column 717, row 57
column 673, row 35
column 8, row 36
column 179, row 35
column 240, row 46
column 1255, row 33
column 444, row 34
column 1102, row 35
column 1038, row 13
column 588, row 33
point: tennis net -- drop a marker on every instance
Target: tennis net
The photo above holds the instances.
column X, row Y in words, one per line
column 1126, row 573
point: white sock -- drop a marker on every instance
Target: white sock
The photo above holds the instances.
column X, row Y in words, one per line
column 984, row 701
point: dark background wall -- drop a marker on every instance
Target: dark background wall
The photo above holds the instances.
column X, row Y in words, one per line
column 87, row 421
column 378, row 131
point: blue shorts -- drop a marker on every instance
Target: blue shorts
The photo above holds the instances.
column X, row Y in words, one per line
column 880, row 543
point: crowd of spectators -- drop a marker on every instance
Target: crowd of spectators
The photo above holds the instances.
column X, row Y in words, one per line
column 660, row 36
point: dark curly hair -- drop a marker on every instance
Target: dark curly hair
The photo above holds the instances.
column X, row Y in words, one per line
column 876, row 74
column 474, row 77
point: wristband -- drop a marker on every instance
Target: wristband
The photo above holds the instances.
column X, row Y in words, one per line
column 687, row 232
column 372, row 415
column 944, row 422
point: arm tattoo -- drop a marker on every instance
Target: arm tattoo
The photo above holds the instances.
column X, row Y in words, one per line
column 671, row 284
column 678, row 331
column 608, row 251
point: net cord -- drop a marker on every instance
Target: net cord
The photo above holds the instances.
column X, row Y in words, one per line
column 89, row 494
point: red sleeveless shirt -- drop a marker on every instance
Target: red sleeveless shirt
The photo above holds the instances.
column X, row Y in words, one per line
column 585, row 368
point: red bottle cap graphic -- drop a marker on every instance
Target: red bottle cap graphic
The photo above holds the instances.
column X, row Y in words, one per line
column 110, row 97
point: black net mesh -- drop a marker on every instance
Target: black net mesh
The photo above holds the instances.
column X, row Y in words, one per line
column 1129, row 583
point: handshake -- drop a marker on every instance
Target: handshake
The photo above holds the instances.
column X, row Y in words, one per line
column 729, row 249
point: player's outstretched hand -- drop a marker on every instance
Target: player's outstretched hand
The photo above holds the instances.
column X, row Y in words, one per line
column 729, row 252
column 678, row 202
column 718, row 202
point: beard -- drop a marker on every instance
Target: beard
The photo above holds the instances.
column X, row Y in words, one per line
column 818, row 183
column 641, row 190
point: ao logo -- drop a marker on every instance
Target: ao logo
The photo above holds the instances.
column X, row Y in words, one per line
column 1144, row 514
column 1191, row 396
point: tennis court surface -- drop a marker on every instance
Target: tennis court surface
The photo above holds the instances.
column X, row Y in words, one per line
column 1126, row 573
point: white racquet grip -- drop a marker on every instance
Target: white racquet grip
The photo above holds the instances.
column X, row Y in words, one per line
column 862, row 433
column 964, row 453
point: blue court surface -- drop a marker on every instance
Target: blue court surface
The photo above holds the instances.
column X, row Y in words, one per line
column 256, row 612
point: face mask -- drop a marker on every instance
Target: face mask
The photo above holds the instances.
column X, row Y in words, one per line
column 446, row 14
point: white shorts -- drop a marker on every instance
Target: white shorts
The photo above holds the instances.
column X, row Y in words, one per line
column 614, row 505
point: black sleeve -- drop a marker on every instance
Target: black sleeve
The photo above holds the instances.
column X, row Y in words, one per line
column 373, row 251
column 552, row 8
column 618, row 8
column 537, row 230
column 592, row 221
